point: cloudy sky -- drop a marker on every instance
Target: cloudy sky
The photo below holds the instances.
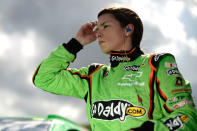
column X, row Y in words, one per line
column 31, row 29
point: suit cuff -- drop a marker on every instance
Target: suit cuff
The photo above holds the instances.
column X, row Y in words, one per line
column 73, row 46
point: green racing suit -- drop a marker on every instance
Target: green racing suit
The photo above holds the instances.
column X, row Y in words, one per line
column 136, row 91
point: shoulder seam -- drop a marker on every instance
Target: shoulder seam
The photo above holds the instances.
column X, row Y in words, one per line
column 93, row 68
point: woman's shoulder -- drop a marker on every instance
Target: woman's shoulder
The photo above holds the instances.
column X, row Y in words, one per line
column 155, row 58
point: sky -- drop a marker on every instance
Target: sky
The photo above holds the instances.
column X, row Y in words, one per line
column 31, row 29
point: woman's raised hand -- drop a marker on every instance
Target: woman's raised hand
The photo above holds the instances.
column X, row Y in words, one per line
column 86, row 33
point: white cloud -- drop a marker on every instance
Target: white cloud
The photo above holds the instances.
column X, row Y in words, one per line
column 168, row 21
column 70, row 112
column 177, row 47
column 28, row 45
column 5, row 43
column 192, row 43
column 164, row 16
column 193, row 10
column 172, row 48
column 18, row 42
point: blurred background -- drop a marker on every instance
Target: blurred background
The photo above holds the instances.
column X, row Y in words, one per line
column 31, row 29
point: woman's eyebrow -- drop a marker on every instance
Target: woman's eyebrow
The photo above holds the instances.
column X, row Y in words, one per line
column 99, row 25
column 103, row 23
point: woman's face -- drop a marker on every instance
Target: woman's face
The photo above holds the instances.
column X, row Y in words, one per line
column 110, row 34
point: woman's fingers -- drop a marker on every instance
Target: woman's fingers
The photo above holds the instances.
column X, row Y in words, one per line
column 86, row 33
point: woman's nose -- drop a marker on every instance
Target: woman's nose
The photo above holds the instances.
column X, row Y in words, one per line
column 98, row 34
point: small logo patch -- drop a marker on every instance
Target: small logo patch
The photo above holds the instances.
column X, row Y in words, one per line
column 120, row 58
column 179, row 81
column 131, row 68
column 173, row 71
column 175, row 99
column 170, row 65
column 177, row 122
column 182, row 103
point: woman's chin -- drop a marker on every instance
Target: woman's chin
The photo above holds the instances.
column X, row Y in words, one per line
column 105, row 51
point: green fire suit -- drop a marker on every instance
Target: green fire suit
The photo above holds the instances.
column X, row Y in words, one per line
column 137, row 91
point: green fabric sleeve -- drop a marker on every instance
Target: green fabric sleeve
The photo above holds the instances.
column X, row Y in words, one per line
column 53, row 75
column 175, row 98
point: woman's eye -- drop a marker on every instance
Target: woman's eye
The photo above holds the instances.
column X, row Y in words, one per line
column 105, row 26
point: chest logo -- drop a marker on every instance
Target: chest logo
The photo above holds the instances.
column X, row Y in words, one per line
column 115, row 109
column 130, row 80
column 132, row 76
column 131, row 67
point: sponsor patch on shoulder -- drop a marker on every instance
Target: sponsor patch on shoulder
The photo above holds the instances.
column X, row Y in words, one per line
column 175, row 99
column 179, row 81
column 177, row 122
column 173, row 71
column 170, row 65
column 182, row 104
column 115, row 109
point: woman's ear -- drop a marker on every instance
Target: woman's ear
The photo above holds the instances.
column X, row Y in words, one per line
column 129, row 29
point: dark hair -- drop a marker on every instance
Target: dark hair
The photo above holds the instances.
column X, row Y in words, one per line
column 127, row 16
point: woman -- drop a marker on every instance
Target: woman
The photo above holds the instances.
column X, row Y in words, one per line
column 136, row 91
